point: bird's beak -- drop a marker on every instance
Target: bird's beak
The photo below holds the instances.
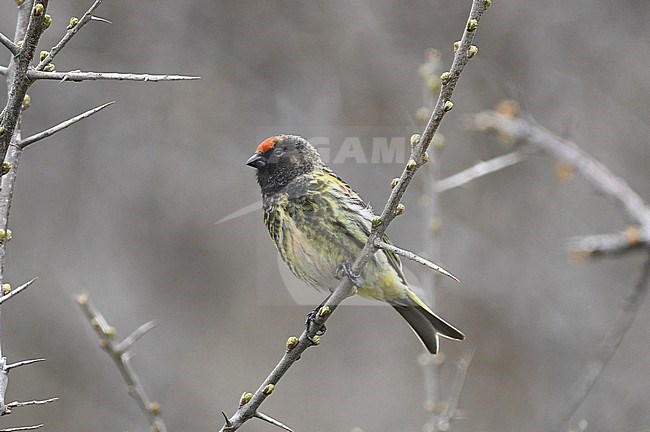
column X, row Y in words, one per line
column 256, row 161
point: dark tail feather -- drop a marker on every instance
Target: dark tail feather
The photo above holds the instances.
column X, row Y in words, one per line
column 427, row 326
column 422, row 327
column 443, row 327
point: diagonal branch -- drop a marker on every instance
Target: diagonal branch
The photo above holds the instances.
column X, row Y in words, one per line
column 481, row 169
column 272, row 421
column 22, row 363
column 414, row 257
column 16, row 291
column 69, row 35
column 345, row 288
column 21, row 82
column 51, row 131
column 122, row 358
column 22, row 428
column 608, row 346
column 78, row 76
column 567, row 151
column 11, row 46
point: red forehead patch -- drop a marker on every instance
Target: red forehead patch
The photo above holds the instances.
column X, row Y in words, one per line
column 267, row 144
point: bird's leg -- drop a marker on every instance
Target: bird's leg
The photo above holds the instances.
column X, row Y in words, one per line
column 345, row 269
column 311, row 317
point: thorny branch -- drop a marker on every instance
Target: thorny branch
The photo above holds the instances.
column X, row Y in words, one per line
column 121, row 356
column 248, row 408
column 568, row 152
column 32, row 21
column 78, row 76
column 72, row 30
column 54, row 129
column 632, row 238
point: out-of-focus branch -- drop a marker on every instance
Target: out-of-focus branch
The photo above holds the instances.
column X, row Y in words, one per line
column 608, row 346
column 607, row 244
column 450, row 409
column 73, row 28
column 54, row 129
column 78, row 76
column 419, row 157
column 568, row 152
column 481, row 169
column 121, row 356
column 616, row 189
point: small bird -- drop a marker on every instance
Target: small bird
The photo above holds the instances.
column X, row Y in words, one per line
column 319, row 225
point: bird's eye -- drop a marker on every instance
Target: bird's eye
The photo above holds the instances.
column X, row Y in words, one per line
column 278, row 152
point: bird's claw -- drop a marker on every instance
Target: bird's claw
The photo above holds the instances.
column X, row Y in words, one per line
column 311, row 321
column 345, row 269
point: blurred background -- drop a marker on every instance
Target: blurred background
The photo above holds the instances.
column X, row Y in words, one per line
column 124, row 204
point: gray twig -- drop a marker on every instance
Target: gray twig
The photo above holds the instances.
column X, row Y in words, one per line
column 451, row 411
column 20, row 64
column 414, row 257
column 127, row 343
column 22, row 363
column 69, row 35
column 609, row 244
column 78, row 76
column 17, row 404
column 3, row 70
column 567, row 151
column 16, row 291
column 11, row 46
column 121, row 356
column 22, row 428
column 51, row 131
column 273, row 421
column 481, row 169
column 345, row 288
column 616, row 189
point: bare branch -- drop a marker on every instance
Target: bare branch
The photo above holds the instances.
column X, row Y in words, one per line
column 22, row 428
column 3, row 70
column 608, row 346
column 69, row 35
column 18, row 404
column 51, row 131
column 451, row 411
column 121, row 358
column 78, row 76
column 418, row 158
column 414, row 257
column 569, row 152
column 11, row 46
column 273, row 421
column 479, row 170
column 21, row 63
column 631, row 238
column 100, row 19
column 8, row 367
column 127, row 343
column 16, row 291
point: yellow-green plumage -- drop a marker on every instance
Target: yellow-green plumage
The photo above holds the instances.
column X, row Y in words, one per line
column 317, row 222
